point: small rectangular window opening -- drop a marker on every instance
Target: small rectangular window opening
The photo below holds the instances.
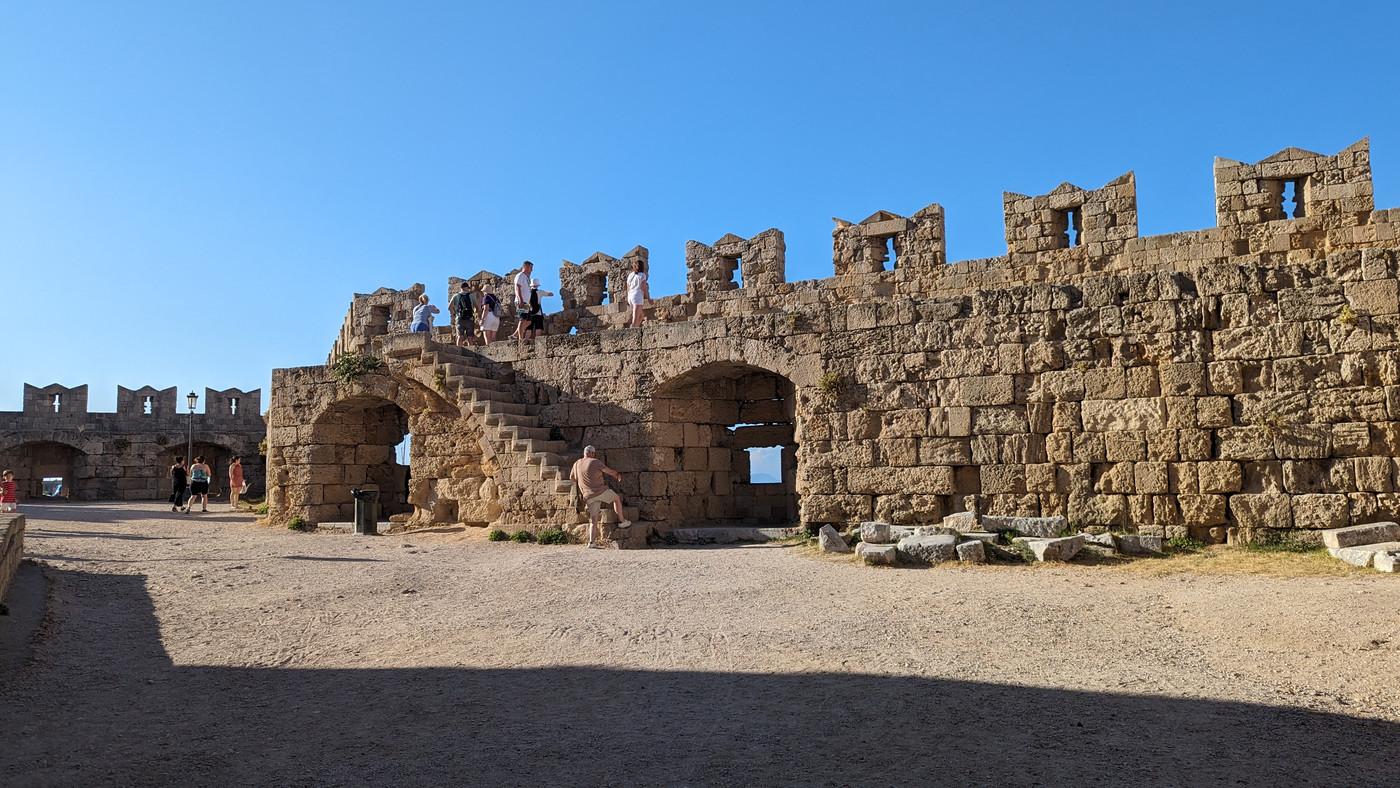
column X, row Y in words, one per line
column 765, row 464
column 1293, row 195
column 57, row 402
column 233, row 406
column 733, row 270
column 146, row 405
column 1074, row 225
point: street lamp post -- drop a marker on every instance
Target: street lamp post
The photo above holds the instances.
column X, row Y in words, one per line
column 192, row 398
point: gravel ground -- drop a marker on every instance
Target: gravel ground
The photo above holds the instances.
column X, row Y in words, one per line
column 204, row 649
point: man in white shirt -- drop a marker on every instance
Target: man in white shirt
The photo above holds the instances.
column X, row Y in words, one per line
column 522, row 296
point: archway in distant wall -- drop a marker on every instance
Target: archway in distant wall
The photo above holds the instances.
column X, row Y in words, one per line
column 732, row 429
column 46, row 469
column 352, row 445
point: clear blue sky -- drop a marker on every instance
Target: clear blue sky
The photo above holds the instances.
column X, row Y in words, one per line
column 191, row 192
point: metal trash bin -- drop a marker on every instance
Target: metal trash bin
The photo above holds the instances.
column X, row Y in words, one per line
column 366, row 511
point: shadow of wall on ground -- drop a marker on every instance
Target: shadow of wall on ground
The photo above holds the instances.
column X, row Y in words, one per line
column 141, row 719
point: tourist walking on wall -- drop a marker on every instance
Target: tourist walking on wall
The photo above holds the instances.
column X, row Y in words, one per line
column 522, row 297
column 200, row 476
column 9, row 501
column 463, row 319
column 423, row 316
column 638, row 292
column 536, row 313
column 178, row 484
column 588, row 474
column 490, row 314
column 235, row 481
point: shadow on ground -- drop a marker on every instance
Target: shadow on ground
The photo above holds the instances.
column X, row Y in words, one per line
column 136, row 718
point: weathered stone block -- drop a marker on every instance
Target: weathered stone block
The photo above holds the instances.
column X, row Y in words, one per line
column 972, row 551
column 962, row 522
column 1061, row 549
column 883, row 554
column 1320, row 511
column 1026, row 526
column 928, row 549
column 1363, row 555
column 1124, row 414
column 1219, row 477
column 1266, row 510
column 1139, row 544
column 1202, row 510
column 875, row 532
column 831, row 541
column 1368, row 533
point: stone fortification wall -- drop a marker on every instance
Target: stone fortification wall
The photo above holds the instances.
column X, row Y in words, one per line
column 11, row 548
column 126, row 455
column 1212, row 383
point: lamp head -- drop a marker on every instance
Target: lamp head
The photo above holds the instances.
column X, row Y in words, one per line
column 192, row 398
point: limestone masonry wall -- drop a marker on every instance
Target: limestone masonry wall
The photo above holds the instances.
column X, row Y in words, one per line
column 126, row 455
column 1218, row 383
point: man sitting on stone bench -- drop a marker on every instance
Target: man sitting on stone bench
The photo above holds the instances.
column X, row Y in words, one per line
column 588, row 473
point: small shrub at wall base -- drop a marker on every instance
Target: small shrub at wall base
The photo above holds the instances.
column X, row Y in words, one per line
column 497, row 535
column 1183, row 544
column 297, row 524
column 261, row 510
column 522, row 537
column 555, row 537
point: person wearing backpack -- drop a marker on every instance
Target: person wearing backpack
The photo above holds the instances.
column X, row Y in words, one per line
column 199, row 484
column 490, row 313
column 463, row 319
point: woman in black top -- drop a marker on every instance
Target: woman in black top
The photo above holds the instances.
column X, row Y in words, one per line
column 178, row 483
column 536, row 313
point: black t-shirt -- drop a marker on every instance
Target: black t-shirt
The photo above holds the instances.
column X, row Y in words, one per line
column 178, row 475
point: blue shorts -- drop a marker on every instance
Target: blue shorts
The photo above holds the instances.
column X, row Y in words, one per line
column 419, row 328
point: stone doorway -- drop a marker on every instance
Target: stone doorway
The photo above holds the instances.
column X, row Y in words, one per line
column 215, row 456
column 711, row 418
column 352, row 445
column 34, row 462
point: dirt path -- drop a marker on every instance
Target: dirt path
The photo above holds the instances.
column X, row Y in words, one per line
column 208, row 650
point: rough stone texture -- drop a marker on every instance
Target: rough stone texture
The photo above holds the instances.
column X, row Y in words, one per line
column 876, row 533
column 1362, row 555
column 1387, row 561
column 1046, row 527
column 928, row 549
column 972, row 551
column 1231, row 379
column 11, row 548
column 934, row 530
column 1102, row 540
column 886, row 554
column 1139, row 544
column 962, row 522
column 831, row 542
column 127, row 455
column 1062, row 549
column 1370, row 533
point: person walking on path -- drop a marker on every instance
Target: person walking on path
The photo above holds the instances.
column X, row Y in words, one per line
column 423, row 316
column 638, row 292
column 235, row 481
column 463, row 319
column 199, row 484
column 536, row 313
column 490, row 314
column 9, row 501
column 179, row 482
column 588, row 474
column 522, row 297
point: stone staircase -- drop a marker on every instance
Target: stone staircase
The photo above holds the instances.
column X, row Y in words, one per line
column 1373, row 544
column 529, row 460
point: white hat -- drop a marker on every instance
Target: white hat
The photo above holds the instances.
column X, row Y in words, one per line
column 534, row 283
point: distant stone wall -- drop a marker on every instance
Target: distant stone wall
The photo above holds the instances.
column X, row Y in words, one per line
column 1217, row 383
column 127, row 455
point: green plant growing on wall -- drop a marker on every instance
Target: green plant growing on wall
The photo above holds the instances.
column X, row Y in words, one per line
column 262, row 447
column 120, row 445
column 832, row 386
column 439, row 380
column 161, row 440
column 1273, row 423
column 348, row 366
column 795, row 320
column 1347, row 316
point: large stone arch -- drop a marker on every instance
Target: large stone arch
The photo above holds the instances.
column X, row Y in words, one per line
column 346, row 438
column 34, row 460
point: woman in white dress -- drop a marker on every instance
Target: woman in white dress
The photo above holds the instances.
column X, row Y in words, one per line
column 638, row 293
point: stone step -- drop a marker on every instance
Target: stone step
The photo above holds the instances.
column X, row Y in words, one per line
column 720, row 534
column 530, row 433
column 1365, row 555
column 547, row 459
column 609, row 516
column 512, row 420
column 485, row 407
column 563, row 487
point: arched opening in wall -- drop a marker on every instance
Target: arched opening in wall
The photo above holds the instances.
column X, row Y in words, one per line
column 353, row 444
column 730, row 430
column 45, row 469
column 217, row 457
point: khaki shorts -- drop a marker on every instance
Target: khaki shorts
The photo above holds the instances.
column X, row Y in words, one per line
column 596, row 504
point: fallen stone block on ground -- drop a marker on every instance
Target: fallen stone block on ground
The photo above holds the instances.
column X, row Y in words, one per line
column 1388, row 561
column 1362, row 555
column 1059, row 549
column 972, row 551
column 1043, row 527
column 831, row 541
column 1370, row 533
column 962, row 522
column 934, row 530
column 876, row 533
column 928, row 549
column 886, row 554
column 1138, row 544
column 981, row 536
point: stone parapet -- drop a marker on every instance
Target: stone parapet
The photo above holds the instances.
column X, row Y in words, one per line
column 11, row 548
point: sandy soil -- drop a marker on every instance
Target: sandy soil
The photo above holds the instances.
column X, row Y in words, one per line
column 183, row 649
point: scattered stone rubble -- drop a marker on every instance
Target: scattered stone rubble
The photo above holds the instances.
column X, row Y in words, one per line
column 949, row 542
column 1225, row 384
column 1372, row 544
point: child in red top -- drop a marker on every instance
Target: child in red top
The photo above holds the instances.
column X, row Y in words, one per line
column 7, row 492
